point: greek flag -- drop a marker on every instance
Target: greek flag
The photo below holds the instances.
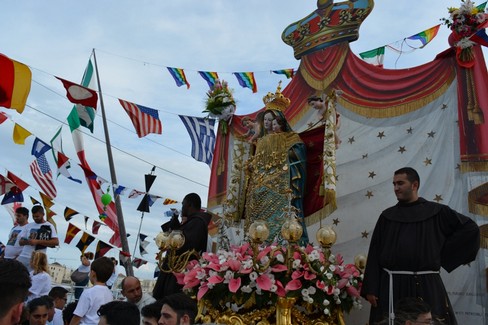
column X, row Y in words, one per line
column 202, row 136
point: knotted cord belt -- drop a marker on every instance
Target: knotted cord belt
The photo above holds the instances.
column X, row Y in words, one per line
column 391, row 311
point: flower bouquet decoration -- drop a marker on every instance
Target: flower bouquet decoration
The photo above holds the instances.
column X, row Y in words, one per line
column 220, row 104
column 250, row 280
column 464, row 22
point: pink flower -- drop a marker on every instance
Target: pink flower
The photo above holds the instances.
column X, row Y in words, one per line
column 352, row 291
column 280, row 291
column 215, row 266
column 264, row 252
column 309, row 276
column 340, row 259
column 342, row 283
column 234, row 285
column 329, row 289
column 293, row 285
column 279, row 268
column 215, row 279
column 264, row 282
column 320, row 284
column 296, row 275
column 180, row 278
column 202, row 291
column 234, row 265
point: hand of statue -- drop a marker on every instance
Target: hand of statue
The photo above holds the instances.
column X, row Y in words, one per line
column 373, row 300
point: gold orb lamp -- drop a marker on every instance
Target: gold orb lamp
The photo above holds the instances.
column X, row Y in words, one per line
column 258, row 231
column 291, row 230
column 326, row 236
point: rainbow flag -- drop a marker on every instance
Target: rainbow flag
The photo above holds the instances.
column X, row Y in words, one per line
column 289, row 73
column 209, row 77
column 246, row 80
column 426, row 36
column 179, row 77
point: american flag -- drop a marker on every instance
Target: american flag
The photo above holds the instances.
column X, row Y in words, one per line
column 43, row 175
column 201, row 131
column 145, row 119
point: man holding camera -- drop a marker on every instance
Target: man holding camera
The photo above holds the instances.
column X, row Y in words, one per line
column 194, row 226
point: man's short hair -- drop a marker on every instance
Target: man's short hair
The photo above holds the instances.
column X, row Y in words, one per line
column 152, row 310
column 68, row 311
column 411, row 173
column 103, row 267
column 14, row 284
column 49, row 301
column 182, row 304
column 37, row 208
column 193, row 199
column 23, row 211
column 120, row 313
column 58, row 292
column 410, row 308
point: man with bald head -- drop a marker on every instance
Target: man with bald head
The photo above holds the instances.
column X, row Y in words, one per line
column 132, row 291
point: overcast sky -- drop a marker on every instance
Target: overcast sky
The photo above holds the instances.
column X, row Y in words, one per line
column 134, row 42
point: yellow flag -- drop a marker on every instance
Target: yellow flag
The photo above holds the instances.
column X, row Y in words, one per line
column 20, row 134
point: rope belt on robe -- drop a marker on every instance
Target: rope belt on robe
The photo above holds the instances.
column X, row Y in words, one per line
column 391, row 312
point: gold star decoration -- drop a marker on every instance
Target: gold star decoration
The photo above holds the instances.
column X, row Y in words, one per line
column 335, row 221
column 369, row 194
column 402, row 149
column 410, row 130
column 310, row 124
column 444, row 106
column 458, row 166
column 364, row 234
column 365, row 156
column 381, row 134
column 337, row 177
column 431, row 134
column 438, row 198
column 428, row 161
column 238, row 232
column 351, row 140
column 372, row 174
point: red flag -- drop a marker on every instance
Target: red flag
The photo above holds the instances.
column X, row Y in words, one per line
column 15, row 83
column 137, row 262
column 78, row 94
column 102, row 249
column 17, row 181
column 5, row 185
column 145, row 119
column 71, row 233
column 3, row 117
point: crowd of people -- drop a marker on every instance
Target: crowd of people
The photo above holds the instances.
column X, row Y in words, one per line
column 28, row 297
column 411, row 242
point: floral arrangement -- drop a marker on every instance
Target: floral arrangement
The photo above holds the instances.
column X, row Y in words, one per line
column 220, row 103
column 464, row 21
column 244, row 278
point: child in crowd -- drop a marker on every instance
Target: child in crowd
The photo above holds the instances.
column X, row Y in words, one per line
column 93, row 298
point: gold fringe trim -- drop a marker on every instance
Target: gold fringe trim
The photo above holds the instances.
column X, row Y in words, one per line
column 474, row 206
column 322, row 84
column 472, row 167
column 484, row 237
column 330, row 206
column 397, row 110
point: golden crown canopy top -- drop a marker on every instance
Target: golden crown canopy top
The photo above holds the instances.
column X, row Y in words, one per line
column 330, row 24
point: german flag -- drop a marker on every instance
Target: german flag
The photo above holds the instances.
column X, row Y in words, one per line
column 15, row 83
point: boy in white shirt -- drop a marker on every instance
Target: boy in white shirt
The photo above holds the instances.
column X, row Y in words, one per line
column 91, row 299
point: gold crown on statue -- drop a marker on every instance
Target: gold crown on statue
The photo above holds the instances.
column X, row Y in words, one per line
column 276, row 101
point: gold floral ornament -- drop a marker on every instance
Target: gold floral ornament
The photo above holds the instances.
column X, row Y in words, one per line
column 220, row 104
column 464, row 22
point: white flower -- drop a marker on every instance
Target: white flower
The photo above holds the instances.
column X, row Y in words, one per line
column 253, row 276
column 326, row 302
column 296, row 264
column 329, row 275
column 273, row 288
column 305, row 292
column 312, row 290
column 309, row 300
column 332, row 268
column 338, row 301
column 280, row 258
column 336, row 292
column 326, row 311
column 246, row 289
column 314, row 255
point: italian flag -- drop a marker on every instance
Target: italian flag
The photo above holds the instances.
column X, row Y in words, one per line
column 374, row 57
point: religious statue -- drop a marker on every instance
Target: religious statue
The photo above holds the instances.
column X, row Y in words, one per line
column 276, row 171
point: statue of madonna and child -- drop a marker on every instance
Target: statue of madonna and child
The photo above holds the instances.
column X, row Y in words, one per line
column 277, row 171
